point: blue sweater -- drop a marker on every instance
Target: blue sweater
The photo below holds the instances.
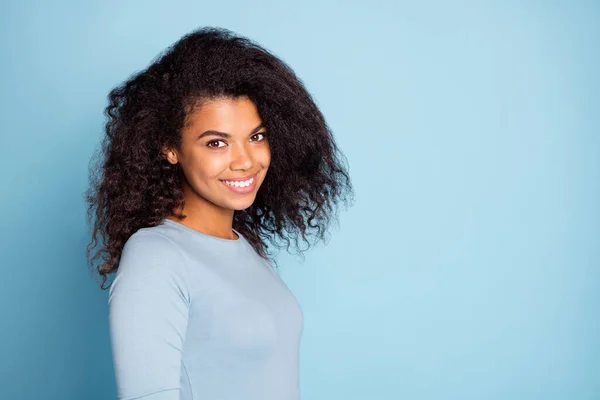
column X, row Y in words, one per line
column 194, row 316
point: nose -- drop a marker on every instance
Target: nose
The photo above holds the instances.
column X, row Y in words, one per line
column 241, row 158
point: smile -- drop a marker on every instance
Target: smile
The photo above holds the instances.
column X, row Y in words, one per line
column 241, row 186
column 240, row 183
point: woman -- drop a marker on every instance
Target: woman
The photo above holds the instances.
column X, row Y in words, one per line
column 210, row 152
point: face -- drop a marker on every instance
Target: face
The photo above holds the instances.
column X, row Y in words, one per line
column 224, row 155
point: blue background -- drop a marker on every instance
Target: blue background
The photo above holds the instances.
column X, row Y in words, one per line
column 469, row 266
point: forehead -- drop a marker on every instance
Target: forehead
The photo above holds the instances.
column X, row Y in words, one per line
column 225, row 114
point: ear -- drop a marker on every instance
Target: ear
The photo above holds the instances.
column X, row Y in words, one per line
column 169, row 154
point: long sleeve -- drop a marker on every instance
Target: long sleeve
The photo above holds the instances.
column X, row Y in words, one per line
column 148, row 316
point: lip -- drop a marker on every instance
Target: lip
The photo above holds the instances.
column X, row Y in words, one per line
column 241, row 179
column 241, row 190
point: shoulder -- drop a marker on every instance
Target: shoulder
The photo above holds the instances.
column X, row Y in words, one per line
column 151, row 259
column 150, row 241
column 153, row 248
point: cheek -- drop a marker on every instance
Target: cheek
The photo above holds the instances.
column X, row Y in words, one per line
column 265, row 157
column 208, row 166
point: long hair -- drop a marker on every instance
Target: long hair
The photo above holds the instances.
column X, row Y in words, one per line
column 132, row 186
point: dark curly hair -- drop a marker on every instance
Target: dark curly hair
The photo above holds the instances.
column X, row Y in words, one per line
column 132, row 186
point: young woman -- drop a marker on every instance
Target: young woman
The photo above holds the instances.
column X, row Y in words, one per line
column 210, row 152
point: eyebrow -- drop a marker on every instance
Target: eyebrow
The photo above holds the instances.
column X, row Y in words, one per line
column 227, row 135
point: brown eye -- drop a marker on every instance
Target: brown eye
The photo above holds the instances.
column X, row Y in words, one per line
column 210, row 144
column 260, row 133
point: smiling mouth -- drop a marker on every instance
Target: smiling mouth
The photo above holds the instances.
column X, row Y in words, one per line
column 241, row 185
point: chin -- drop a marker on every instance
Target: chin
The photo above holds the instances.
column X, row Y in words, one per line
column 241, row 204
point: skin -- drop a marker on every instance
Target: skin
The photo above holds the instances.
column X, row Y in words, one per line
column 206, row 161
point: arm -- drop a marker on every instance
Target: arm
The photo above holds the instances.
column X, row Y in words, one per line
column 148, row 311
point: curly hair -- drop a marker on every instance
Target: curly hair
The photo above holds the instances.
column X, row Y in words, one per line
column 132, row 186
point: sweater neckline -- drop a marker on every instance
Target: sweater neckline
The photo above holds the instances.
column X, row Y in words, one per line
column 202, row 234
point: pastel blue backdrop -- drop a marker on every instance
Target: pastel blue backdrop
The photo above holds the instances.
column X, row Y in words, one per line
column 469, row 266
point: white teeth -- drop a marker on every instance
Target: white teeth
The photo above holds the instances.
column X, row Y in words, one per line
column 240, row 184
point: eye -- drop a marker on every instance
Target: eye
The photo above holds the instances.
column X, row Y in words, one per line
column 209, row 144
column 259, row 133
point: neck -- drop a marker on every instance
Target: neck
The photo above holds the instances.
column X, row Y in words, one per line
column 205, row 217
